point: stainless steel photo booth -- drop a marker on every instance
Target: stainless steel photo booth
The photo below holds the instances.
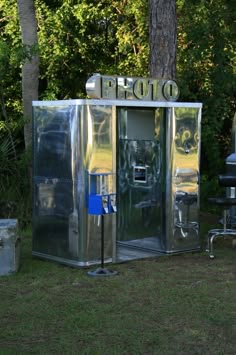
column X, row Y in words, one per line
column 135, row 162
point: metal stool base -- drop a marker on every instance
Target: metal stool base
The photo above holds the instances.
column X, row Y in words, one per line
column 215, row 233
column 102, row 272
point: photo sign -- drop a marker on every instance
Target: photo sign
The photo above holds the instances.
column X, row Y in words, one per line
column 131, row 88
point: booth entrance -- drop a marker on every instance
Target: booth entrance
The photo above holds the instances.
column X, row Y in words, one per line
column 140, row 175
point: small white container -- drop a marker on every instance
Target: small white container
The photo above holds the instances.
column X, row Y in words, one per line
column 9, row 246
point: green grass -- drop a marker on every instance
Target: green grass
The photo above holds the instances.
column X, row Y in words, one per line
column 181, row 304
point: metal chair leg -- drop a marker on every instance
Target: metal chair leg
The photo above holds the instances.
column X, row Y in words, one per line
column 209, row 235
column 211, row 240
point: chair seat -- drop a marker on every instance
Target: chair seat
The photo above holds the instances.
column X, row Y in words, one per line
column 227, row 180
column 223, row 201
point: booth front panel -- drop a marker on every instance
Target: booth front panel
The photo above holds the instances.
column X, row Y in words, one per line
column 135, row 163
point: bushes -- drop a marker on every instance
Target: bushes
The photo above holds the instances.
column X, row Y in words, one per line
column 15, row 186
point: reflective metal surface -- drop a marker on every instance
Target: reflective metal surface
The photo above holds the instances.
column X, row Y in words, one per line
column 139, row 178
column 9, row 246
column 182, row 179
column 147, row 155
column 69, row 142
column 98, row 157
column 54, row 179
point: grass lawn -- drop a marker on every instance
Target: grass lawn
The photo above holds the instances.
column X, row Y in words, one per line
column 183, row 304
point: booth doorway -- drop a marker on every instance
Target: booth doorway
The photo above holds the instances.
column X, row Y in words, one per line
column 139, row 217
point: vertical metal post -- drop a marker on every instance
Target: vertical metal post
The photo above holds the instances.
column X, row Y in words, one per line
column 225, row 219
column 102, row 241
column 102, row 271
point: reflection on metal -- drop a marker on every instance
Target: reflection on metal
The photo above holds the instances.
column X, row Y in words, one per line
column 70, row 140
column 170, row 90
column 147, row 157
column 183, row 181
column 184, row 203
column 139, row 185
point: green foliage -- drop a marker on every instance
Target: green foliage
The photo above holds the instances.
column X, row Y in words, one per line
column 7, row 155
column 15, row 186
column 80, row 38
column 210, row 188
column 132, row 50
column 206, row 72
column 10, row 66
column 14, row 179
column 4, row 58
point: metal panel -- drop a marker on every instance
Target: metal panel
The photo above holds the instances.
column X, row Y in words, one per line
column 99, row 152
column 139, row 178
column 182, row 179
column 115, row 103
column 9, row 246
column 56, row 181
column 53, row 135
column 69, row 142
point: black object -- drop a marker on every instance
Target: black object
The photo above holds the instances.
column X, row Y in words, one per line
column 226, row 180
column 102, row 271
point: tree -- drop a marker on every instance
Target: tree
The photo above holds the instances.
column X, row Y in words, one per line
column 30, row 68
column 162, row 38
column 206, row 73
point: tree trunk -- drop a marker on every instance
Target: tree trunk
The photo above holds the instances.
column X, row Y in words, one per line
column 30, row 68
column 162, row 38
